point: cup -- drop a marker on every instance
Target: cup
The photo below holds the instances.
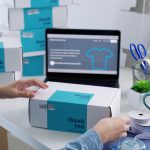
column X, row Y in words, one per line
column 131, row 144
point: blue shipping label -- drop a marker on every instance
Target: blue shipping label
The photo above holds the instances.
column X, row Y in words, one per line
column 2, row 58
column 33, row 40
column 67, row 111
column 44, row 3
column 38, row 18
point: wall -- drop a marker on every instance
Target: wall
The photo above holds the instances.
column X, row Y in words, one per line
column 0, row 8
column 129, row 16
column 132, row 17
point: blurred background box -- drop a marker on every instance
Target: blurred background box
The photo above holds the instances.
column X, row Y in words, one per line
column 10, row 55
column 33, row 40
column 33, row 18
column 9, row 77
column 37, row 3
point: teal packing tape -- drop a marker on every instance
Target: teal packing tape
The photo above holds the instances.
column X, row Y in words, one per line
column 33, row 40
column 30, row 66
column 38, row 18
column 67, row 111
column 2, row 58
column 44, row 3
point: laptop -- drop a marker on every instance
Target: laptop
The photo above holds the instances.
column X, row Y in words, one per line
column 83, row 56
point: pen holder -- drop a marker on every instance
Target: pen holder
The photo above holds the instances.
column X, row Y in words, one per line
column 138, row 72
column 134, row 72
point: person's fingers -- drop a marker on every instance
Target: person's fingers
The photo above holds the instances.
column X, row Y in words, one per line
column 124, row 134
column 127, row 128
column 26, row 94
column 35, row 82
column 126, row 119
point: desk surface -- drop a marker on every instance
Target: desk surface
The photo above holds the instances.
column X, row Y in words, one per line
column 14, row 118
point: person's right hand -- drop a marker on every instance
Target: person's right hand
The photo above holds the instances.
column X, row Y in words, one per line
column 110, row 129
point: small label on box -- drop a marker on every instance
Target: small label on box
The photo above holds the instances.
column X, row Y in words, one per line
column 2, row 58
column 33, row 12
column 27, row 35
column 68, row 109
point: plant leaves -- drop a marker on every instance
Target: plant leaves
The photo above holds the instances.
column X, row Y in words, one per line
column 142, row 86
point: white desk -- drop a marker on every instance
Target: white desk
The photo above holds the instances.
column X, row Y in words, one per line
column 14, row 118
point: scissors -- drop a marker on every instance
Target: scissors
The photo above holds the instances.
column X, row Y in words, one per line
column 139, row 53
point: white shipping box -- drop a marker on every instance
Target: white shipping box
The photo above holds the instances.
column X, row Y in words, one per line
column 37, row 3
column 72, row 107
column 9, row 77
column 33, row 18
column 10, row 55
column 4, row 32
column 32, row 40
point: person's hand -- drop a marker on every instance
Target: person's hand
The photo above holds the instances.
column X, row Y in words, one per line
column 20, row 88
column 110, row 129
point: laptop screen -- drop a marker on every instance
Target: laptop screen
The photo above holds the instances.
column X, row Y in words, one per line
column 83, row 52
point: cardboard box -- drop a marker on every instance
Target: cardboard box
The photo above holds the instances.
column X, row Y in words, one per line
column 4, row 32
column 33, row 18
column 9, row 77
column 34, row 64
column 10, row 55
column 37, row 3
column 71, row 107
column 32, row 40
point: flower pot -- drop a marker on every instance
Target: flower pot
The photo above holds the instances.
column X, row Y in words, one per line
column 136, row 99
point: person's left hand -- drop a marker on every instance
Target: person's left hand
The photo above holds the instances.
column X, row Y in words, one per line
column 20, row 88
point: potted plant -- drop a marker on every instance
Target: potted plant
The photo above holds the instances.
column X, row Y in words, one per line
column 137, row 94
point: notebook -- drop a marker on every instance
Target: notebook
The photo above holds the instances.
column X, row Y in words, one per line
column 83, row 56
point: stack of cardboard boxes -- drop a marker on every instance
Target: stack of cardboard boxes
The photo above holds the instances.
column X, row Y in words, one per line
column 27, row 21
column 10, row 60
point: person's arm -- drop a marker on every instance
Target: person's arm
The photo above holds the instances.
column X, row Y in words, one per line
column 104, row 131
column 20, row 88
column 90, row 140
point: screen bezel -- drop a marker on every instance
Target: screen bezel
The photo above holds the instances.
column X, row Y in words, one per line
column 73, row 77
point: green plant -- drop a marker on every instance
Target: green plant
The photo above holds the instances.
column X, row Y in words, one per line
column 142, row 86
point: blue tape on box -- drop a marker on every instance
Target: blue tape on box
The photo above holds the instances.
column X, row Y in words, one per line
column 68, row 109
column 33, row 66
column 38, row 18
column 44, row 3
column 2, row 58
column 33, row 40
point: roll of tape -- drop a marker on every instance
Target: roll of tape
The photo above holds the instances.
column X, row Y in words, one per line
column 140, row 117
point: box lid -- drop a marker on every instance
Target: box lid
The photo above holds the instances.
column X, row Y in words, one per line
column 102, row 96
column 4, row 32
column 11, row 42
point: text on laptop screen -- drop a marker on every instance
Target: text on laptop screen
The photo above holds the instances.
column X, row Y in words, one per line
column 92, row 54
